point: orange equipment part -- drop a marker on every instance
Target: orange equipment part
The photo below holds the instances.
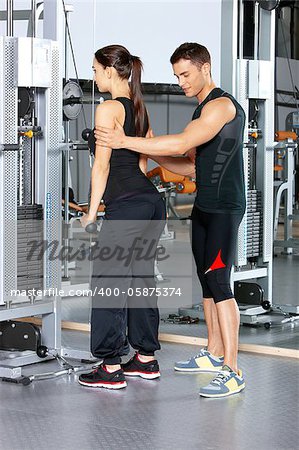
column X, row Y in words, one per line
column 186, row 187
column 283, row 135
column 254, row 134
column 165, row 175
column 278, row 168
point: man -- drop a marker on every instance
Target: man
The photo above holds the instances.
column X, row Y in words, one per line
column 212, row 145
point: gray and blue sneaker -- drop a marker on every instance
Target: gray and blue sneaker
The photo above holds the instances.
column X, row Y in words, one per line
column 203, row 362
column 226, row 383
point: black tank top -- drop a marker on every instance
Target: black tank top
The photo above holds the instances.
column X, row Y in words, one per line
column 219, row 164
column 125, row 177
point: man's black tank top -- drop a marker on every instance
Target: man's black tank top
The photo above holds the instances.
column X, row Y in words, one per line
column 219, row 164
column 125, row 177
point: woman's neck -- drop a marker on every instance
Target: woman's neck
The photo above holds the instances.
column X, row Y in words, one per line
column 120, row 88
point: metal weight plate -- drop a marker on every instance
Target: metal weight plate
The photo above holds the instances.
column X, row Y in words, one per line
column 24, row 102
column 269, row 5
column 72, row 95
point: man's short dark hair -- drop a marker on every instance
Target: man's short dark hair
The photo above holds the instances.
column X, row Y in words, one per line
column 196, row 53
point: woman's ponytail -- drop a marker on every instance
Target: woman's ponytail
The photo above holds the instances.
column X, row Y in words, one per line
column 141, row 119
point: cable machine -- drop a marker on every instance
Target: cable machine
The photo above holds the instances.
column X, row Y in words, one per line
column 30, row 192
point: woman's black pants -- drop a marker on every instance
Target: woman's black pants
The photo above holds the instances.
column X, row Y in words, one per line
column 124, row 303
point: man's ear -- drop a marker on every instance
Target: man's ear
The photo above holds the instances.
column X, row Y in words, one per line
column 206, row 68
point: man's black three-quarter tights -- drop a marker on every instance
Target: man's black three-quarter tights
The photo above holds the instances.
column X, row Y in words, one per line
column 214, row 238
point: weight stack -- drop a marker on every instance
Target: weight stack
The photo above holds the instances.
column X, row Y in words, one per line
column 29, row 236
column 254, row 223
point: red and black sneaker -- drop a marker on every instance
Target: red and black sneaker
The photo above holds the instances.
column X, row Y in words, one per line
column 101, row 378
column 135, row 368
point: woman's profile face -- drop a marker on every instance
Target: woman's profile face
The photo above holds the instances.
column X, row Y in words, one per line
column 100, row 76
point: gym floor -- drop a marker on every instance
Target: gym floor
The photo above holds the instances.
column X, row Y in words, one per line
column 158, row 414
column 167, row 413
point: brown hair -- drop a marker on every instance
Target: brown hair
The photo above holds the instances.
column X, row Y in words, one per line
column 196, row 53
column 127, row 65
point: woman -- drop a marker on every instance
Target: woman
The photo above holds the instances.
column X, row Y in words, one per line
column 134, row 216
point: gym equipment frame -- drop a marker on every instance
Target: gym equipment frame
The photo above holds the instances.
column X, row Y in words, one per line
column 30, row 197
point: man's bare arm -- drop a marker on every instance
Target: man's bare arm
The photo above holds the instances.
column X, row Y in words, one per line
column 181, row 165
column 214, row 116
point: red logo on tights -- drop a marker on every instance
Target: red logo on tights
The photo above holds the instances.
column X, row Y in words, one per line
column 218, row 263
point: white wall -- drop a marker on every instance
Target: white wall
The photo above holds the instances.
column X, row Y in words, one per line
column 149, row 29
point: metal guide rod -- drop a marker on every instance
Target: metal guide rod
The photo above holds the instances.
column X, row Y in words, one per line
column 33, row 17
column 33, row 146
column 21, row 173
column 67, row 152
column 241, row 29
column 9, row 18
column 256, row 30
column 33, row 157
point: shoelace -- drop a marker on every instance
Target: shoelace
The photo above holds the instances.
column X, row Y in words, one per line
column 221, row 378
column 201, row 353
